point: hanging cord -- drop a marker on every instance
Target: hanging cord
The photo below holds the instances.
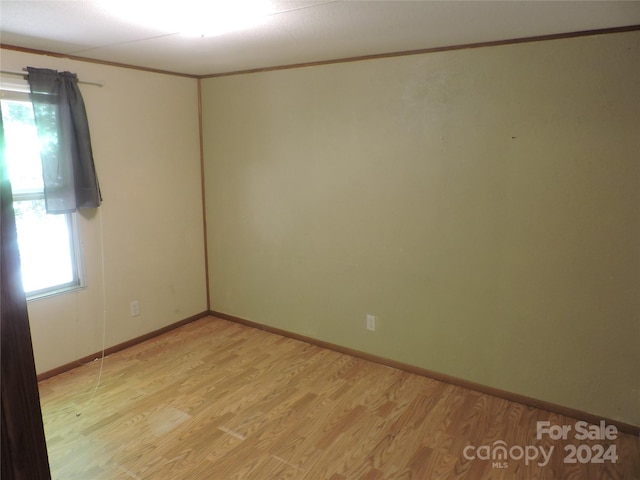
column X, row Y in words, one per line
column 104, row 318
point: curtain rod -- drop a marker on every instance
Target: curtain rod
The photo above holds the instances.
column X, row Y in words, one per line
column 24, row 73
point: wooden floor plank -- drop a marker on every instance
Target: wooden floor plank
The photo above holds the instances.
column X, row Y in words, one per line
column 219, row 400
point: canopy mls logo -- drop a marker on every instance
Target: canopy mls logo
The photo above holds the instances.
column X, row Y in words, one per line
column 500, row 453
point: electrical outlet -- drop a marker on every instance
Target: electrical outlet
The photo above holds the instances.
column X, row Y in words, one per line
column 371, row 323
column 134, row 308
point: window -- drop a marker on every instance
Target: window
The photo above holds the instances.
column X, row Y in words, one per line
column 48, row 244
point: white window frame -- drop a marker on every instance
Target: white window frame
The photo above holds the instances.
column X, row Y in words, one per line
column 19, row 91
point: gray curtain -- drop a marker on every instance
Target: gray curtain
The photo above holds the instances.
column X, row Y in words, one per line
column 68, row 170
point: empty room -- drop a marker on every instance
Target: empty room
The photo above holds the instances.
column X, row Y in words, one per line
column 322, row 240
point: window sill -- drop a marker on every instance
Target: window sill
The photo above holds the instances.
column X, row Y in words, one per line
column 53, row 292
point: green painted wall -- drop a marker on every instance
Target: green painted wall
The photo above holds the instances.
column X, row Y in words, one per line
column 483, row 203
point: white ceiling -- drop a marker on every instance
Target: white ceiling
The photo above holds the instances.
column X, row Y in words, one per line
column 300, row 31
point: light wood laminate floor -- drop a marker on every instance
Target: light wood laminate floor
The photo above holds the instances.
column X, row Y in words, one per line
column 217, row 400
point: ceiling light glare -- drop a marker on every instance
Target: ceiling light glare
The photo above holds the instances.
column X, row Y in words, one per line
column 192, row 17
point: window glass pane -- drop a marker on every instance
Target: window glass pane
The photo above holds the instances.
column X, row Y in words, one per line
column 46, row 242
column 22, row 147
column 45, row 247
